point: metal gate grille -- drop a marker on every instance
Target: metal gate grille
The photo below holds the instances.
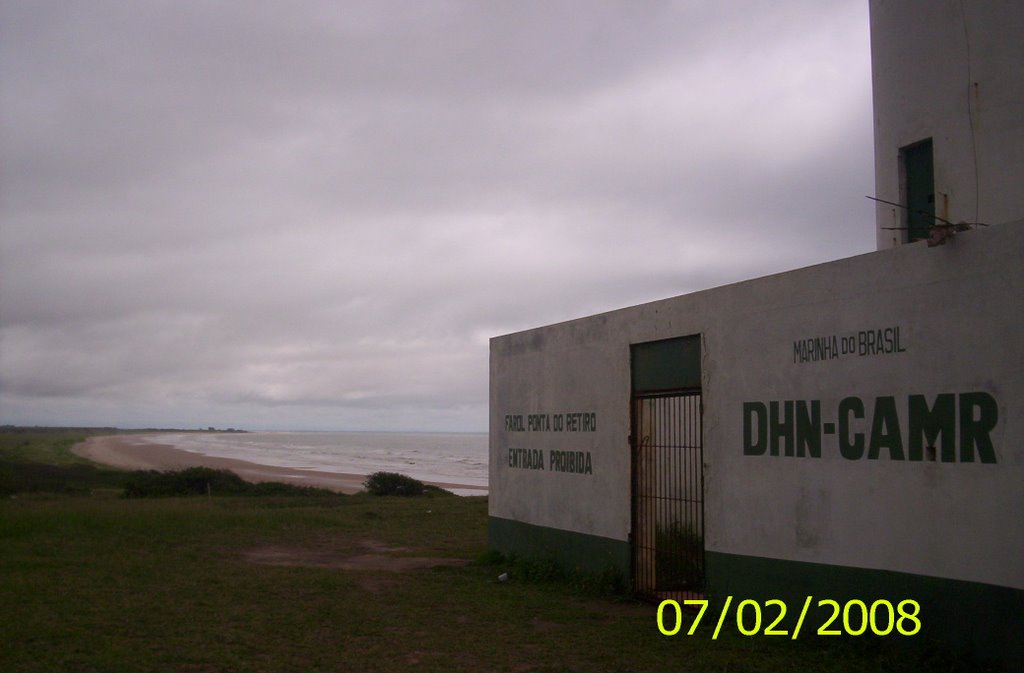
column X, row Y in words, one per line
column 668, row 496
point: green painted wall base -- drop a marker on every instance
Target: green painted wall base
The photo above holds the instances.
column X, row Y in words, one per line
column 975, row 622
column 590, row 553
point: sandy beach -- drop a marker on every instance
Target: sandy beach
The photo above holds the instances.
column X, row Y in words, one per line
column 141, row 452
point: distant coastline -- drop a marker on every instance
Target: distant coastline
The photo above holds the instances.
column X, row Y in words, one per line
column 147, row 452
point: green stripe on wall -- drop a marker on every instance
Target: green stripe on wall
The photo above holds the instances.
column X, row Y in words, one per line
column 977, row 622
column 591, row 553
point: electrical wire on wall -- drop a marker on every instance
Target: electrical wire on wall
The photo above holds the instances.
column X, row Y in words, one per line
column 972, row 91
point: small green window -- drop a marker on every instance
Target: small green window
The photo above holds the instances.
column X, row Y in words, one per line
column 918, row 189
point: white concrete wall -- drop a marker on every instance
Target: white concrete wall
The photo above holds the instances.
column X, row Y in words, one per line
column 960, row 311
column 568, row 369
column 951, row 70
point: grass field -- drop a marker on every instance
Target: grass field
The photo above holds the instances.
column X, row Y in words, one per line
column 92, row 581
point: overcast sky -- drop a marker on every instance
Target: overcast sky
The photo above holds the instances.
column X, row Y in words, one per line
column 314, row 215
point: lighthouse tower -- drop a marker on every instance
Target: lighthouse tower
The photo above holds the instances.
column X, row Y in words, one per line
column 948, row 80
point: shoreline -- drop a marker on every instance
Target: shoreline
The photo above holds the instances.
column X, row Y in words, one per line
column 139, row 452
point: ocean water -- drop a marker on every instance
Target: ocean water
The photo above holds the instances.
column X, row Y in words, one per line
column 457, row 458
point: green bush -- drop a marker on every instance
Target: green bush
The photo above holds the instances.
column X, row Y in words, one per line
column 392, row 483
column 679, row 558
column 207, row 481
column 22, row 477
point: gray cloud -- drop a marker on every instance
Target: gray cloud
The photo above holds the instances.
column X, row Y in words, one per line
column 314, row 216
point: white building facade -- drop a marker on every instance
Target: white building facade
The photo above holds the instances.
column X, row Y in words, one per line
column 851, row 431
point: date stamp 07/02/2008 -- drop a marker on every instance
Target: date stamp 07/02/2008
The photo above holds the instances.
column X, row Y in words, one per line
column 853, row 618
